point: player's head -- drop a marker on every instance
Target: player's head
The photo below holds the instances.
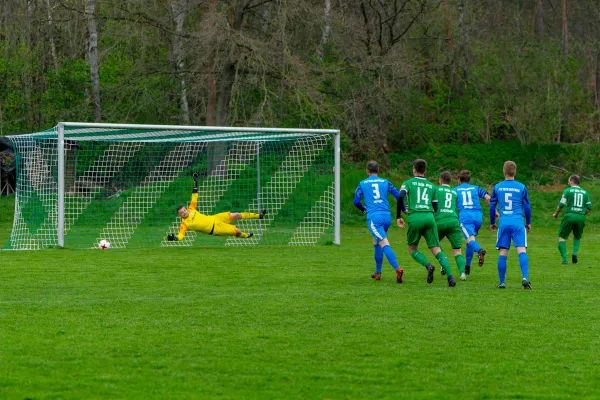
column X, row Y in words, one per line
column 574, row 180
column 419, row 166
column 510, row 169
column 464, row 176
column 445, row 178
column 372, row 167
column 182, row 211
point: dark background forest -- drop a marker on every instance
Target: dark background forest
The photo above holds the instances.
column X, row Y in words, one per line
column 390, row 74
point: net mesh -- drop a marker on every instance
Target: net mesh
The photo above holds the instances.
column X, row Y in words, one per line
column 125, row 185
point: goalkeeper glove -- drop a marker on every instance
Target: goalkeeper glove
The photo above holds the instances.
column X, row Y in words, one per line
column 195, row 176
column 172, row 238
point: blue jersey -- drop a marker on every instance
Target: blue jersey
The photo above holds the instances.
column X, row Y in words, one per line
column 513, row 203
column 467, row 202
column 374, row 191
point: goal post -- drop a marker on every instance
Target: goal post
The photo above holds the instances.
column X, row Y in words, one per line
column 79, row 183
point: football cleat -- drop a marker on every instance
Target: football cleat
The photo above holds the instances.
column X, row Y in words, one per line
column 463, row 277
column 526, row 284
column 501, row 286
column 468, row 269
column 262, row 214
column 481, row 255
column 250, row 234
column 451, row 281
column 574, row 259
column 430, row 271
column 399, row 274
column 564, row 262
column 376, row 276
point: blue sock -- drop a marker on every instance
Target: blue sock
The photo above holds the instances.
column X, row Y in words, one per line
column 468, row 254
column 389, row 254
column 475, row 246
column 502, row 268
column 524, row 264
column 378, row 257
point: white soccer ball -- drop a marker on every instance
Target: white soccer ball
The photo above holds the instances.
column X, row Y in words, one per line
column 104, row 244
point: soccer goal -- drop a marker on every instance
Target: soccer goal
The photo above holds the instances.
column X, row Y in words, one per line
column 79, row 183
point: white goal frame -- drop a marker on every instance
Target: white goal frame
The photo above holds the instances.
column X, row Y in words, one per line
column 61, row 159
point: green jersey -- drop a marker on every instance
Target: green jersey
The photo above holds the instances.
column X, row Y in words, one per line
column 576, row 200
column 420, row 193
column 446, row 203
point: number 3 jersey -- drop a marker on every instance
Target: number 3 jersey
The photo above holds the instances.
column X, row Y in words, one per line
column 513, row 203
column 374, row 190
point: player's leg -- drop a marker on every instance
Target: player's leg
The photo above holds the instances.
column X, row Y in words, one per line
column 378, row 255
column 563, row 234
column 502, row 244
column 378, row 227
column 578, row 225
column 236, row 216
column 519, row 238
column 432, row 238
column 468, row 231
column 223, row 226
column 443, row 231
column 413, row 236
column 455, row 239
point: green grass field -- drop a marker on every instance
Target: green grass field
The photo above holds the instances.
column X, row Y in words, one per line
column 279, row 322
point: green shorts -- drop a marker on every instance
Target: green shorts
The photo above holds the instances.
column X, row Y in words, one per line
column 450, row 228
column 571, row 223
column 422, row 224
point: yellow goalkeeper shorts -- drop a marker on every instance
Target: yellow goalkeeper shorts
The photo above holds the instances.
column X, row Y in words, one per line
column 223, row 225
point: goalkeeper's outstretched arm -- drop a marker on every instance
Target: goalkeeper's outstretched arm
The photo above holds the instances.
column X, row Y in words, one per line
column 183, row 212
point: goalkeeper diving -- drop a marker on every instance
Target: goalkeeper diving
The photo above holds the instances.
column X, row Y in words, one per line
column 216, row 225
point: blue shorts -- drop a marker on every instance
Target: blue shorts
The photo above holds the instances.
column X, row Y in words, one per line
column 507, row 232
column 378, row 225
column 469, row 228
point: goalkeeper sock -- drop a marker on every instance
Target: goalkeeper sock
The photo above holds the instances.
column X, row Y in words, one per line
column 378, row 258
column 562, row 248
column 502, row 268
column 524, row 264
column 390, row 255
column 460, row 263
column 249, row 215
column 576, row 244
column 419, row 257
column 443, row 260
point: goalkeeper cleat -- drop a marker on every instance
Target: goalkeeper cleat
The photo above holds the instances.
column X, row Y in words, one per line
column 468, row 269
column 526, row 284
column 250, row 234
column 430, row 271
column 574, row 259
column 376, row 276
column 501, row 286
column 481, row 255
column 463, row 277
column 262, row 214
column 451, row 281
column 399, row 274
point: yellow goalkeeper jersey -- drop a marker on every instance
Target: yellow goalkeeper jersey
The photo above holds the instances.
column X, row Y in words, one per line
column 195, row 221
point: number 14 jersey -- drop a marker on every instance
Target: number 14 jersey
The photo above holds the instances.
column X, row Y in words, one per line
column 420, row 194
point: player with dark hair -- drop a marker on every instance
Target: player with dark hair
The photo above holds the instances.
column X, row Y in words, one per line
column 422, row 203
column 374, row 190
column 216, row 225
column 513, row 203
column 578, row 204
column 447, row 223
column 470, row 216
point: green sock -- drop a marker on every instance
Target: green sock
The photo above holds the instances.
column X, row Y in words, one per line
column 460, row 263
column 443, row 260
column 419, row 257
column 562, row 247
column 576, row 244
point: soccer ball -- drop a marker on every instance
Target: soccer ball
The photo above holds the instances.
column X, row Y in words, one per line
column 104, row 244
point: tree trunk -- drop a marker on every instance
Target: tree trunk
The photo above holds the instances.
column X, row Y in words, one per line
column 93, row 58
column 212, row 79
column 326, row 29
column 51, row 37
column 565, row 30
column 598, row 78
column 178, row 7
column 539, row 20
column 450, row 68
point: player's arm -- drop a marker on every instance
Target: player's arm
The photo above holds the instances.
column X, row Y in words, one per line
column 182, row 229
column 434, row 199
column 527, row 209
column 493, row 202
column 561, row 204
column 358, row 194
column 194, row 202
column 400, row 206
column 588, row 205
column 484, row 194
